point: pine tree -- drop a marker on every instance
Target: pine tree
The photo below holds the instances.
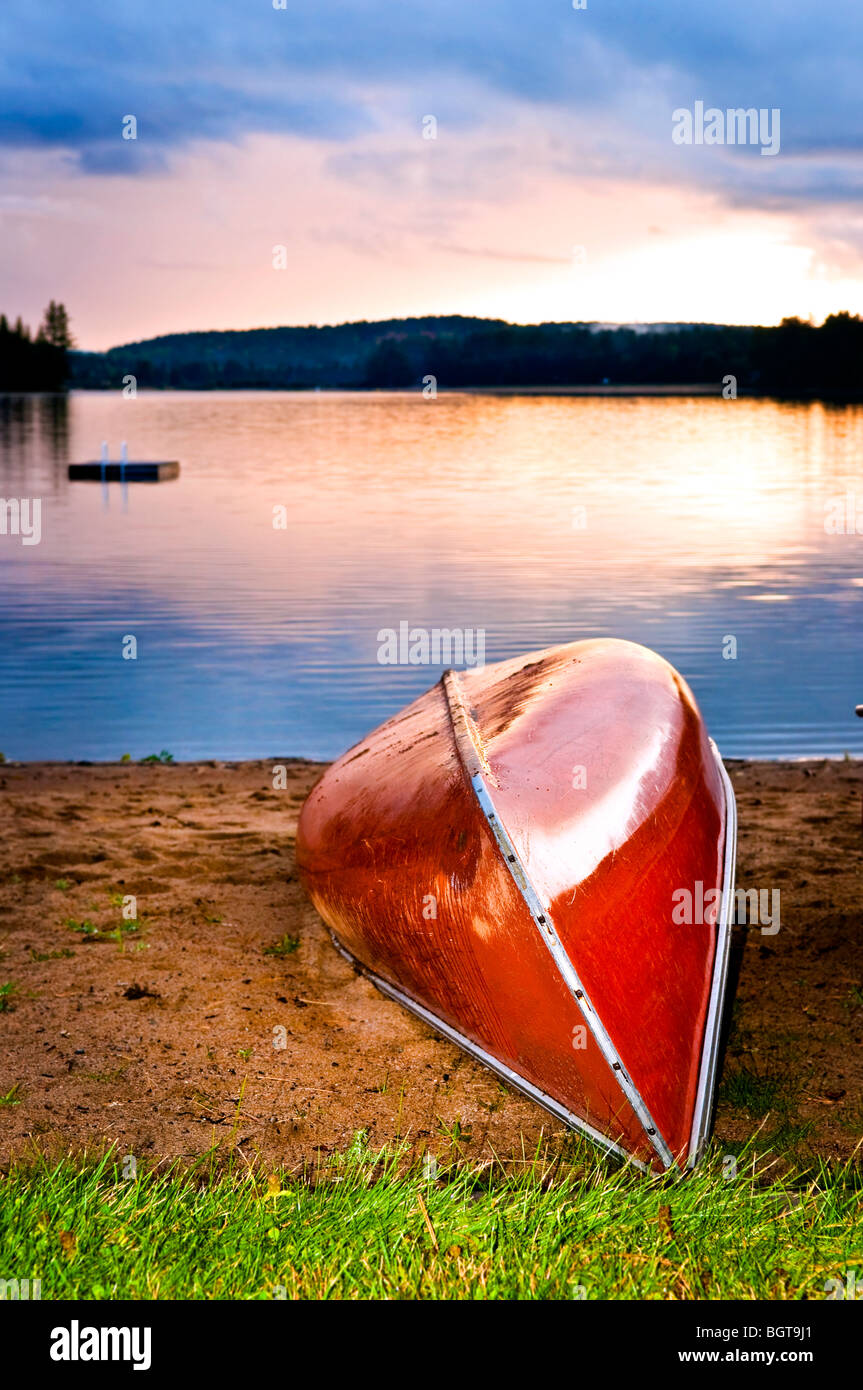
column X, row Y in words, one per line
column 55, row 326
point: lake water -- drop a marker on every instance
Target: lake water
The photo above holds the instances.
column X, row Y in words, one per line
column 677, row 523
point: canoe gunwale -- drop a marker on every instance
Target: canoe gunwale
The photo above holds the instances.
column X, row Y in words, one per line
column 512, row 1078
column 705, row 1094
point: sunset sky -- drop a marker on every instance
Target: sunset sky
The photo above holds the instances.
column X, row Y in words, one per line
column 553, row 190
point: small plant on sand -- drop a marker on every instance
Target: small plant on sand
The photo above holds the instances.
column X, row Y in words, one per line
column 84, row 927
column 6, row 992
column 111, row 1077
column 13, row 1095
column 91, row 932
column 163, row 757
column 63, row 884
column 285, row 946
column 457, row 1135
column 245, row 1053
column 65, row 954
column 125, row 929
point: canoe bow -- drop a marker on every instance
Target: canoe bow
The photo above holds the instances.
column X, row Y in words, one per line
column 525, row 913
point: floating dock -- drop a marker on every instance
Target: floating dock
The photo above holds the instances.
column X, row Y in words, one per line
column 132, row 471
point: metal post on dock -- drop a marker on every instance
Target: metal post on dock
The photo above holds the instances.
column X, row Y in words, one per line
column 104, row 463
column 124, row 459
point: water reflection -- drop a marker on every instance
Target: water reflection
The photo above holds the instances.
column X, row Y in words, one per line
column 677, row 523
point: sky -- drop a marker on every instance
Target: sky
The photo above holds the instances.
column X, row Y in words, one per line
column 282, row 170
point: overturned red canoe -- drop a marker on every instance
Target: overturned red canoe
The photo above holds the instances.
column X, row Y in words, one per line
column 537, row 858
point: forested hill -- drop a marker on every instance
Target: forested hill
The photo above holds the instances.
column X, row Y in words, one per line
column 794, row 358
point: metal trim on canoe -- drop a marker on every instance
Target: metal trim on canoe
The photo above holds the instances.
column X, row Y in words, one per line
column 704, row 1095
column 494, row 1064
column 476, row 767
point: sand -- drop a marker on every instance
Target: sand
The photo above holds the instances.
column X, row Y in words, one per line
column 161, row 1042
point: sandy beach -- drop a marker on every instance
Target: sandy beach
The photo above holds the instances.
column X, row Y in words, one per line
column 160, row 1039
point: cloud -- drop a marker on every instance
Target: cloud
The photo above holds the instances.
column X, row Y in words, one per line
column 304, row 126
column 187, row 72
column 485, row 253
column 609, row 75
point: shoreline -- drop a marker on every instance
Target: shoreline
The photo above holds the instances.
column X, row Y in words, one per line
column 145, row 1036
column 684, row 390
column 295, row 759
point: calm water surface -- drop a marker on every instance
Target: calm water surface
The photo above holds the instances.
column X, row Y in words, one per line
column 702, row 520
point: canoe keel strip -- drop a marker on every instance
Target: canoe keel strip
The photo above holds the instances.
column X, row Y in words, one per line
column 473, row 763
column 388, row 817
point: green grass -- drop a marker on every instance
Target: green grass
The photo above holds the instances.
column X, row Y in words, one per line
column 285, row 946
column 6, row 992
column 368, row 1225
column 759, row 1092
column 854, row 998
column 90, row 932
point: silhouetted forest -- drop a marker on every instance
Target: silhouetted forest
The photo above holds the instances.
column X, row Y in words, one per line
column 37, row 363
column 793, row 359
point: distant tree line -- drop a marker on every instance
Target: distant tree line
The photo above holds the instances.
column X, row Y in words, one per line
column 39, row 363
column 794, row 359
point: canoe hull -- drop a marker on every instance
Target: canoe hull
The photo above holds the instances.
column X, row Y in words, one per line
column 506, row 857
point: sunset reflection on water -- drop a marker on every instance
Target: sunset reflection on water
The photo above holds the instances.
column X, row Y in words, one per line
column 673, row 522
